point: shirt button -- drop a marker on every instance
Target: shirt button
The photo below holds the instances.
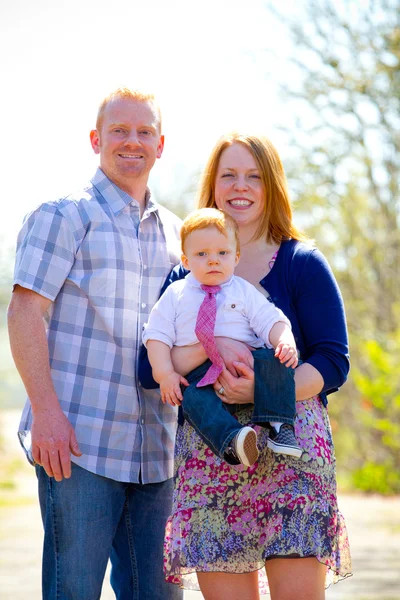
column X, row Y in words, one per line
column 233, row 305
column 144, row 266
column 143, row 305
column 142, row 420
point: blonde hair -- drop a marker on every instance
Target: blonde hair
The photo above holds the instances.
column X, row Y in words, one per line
column 209, row 217
column 277, row 221
column 125, row 92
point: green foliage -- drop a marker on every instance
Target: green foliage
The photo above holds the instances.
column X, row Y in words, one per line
column 344, row 171
column 376, row 378
column 373, row 478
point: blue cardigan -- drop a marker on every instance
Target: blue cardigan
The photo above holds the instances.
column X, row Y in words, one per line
column 302, row 285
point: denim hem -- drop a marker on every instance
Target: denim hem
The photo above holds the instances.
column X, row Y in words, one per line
column 261, row 419
column 224, row 445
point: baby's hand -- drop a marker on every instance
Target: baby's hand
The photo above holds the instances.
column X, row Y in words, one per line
column 286, row 350
column 170, row 388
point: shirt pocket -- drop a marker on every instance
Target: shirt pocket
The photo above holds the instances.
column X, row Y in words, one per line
column 233, row 307
column 232, row 312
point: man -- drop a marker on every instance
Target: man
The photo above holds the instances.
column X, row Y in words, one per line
column 92, row 265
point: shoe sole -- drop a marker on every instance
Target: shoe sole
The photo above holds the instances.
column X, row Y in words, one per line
column 279, row 449
column 246, row 446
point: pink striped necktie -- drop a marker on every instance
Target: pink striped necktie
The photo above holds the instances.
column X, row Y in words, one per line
column 204, row 330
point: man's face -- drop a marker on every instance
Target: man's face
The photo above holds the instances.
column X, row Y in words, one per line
column 129, row 141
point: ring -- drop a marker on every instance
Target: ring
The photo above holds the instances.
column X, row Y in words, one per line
column 221, row 390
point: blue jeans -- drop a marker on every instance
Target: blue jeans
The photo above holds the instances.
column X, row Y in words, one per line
column 88, row 519
column 274, row 400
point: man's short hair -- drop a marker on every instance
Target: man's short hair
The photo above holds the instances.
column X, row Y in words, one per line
column 125, row 92
column 209, row 217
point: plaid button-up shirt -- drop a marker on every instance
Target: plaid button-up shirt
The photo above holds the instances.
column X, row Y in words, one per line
column 103, row 266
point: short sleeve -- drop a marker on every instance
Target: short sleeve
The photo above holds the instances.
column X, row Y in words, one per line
column 45, row 253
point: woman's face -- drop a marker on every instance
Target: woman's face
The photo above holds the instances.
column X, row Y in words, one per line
column 238, row 187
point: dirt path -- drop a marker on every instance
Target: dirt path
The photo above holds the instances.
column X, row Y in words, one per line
column 373, row 524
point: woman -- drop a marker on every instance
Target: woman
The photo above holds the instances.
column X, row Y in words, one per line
column 228, row 522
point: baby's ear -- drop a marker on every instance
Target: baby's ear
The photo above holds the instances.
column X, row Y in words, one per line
column 237, row 258
column 184, row 261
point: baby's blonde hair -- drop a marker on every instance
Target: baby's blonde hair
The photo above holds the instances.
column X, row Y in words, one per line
column 209, row 217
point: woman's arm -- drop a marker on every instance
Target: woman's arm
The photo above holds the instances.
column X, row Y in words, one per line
column 308, row 382
column 319, row 311
column 187, row 358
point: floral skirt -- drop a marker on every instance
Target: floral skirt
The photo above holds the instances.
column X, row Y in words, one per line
column 232, row 519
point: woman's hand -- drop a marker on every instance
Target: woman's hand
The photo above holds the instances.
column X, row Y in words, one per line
column 238, row 389
column 233, row 351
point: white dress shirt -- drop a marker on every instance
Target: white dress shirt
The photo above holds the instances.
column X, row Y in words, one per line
column 243, row 313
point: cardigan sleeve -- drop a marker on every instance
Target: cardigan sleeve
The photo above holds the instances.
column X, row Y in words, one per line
column 144, row 368
column 321, row 317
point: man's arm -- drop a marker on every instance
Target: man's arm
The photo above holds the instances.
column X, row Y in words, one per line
column 53, row 437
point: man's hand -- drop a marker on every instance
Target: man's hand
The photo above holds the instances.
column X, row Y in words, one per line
column 53, row 441
column 53, row 438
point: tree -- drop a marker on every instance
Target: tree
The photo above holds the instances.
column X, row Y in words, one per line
column 345, row 174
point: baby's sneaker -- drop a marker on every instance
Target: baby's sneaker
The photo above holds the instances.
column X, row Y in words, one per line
column 244, row 445
column 284, row 441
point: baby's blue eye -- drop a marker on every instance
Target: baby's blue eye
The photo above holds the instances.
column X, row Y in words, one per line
column 223, row 252
column 201, row 254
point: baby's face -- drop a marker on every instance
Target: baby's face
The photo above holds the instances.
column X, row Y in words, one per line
column 210, row 255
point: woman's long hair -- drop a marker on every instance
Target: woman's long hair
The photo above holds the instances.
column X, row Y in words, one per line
column 277, row 222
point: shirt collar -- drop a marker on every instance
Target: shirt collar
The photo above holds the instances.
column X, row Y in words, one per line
column 116, row 198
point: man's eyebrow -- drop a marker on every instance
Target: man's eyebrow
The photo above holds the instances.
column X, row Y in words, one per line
column 122, row 124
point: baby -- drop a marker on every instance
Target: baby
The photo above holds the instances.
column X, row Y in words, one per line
column 210, row 301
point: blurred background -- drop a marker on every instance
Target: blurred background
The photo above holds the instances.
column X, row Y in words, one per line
column 321, row 78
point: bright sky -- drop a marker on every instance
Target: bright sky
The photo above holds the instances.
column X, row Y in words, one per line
column 207, row 61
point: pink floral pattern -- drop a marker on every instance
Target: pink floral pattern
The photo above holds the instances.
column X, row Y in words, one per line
column 232, row 518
